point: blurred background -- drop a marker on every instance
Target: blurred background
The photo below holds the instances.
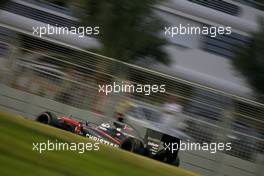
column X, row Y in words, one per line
column 218, row 82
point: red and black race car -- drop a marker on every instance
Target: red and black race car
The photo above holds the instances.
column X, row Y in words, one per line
column 117, row 134
column 62, row 122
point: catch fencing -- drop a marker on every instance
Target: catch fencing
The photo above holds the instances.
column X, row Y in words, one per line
column 37, row 72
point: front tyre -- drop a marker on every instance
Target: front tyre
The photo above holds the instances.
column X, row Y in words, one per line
column 47, row 118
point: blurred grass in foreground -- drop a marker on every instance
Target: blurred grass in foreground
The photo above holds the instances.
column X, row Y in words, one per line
column 17, row 157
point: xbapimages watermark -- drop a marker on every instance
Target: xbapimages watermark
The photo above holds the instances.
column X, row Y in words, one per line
column 212, row 31
column 212, row 147
column 147, row 89
column 80, row 31
column 79, row 147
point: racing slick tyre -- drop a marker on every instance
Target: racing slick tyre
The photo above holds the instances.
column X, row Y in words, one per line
column 47, row 118
column 133, row 145
column 176, row 162
column 167, row 157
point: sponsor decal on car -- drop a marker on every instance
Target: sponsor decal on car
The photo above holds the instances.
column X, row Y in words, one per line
column 101, row 140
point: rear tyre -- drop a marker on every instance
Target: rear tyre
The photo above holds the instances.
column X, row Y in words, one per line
column 133, row 145
column 47, row 118
column 176, row 162
column 167, row 157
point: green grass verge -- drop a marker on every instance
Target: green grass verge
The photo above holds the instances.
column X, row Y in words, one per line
column 18, row 158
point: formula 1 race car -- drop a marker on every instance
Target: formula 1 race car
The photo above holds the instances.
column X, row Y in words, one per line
column 119, row 134
column 103, row 133
column 62, row 122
